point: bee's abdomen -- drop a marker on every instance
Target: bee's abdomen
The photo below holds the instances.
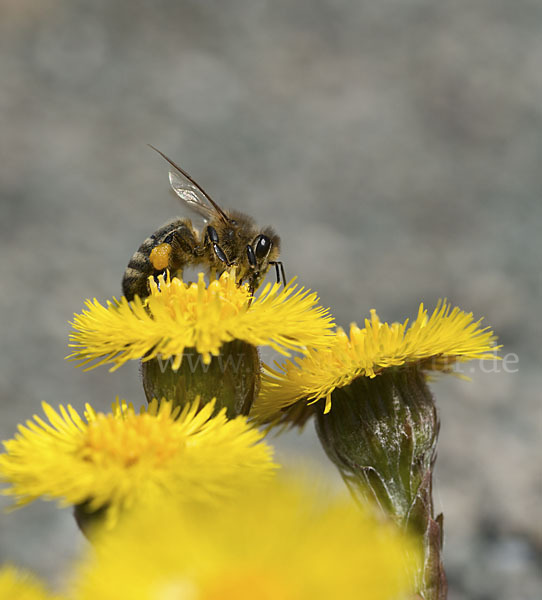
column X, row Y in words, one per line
column 140, row 268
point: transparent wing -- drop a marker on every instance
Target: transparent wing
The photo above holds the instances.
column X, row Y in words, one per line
column 190, row 195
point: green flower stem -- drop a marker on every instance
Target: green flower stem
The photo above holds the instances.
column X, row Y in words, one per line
column 381, row 433
column 233, row 378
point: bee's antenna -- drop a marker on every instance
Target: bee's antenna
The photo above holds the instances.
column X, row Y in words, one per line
column 221, row 213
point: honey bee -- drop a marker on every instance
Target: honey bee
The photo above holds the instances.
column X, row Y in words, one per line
column 228, row 238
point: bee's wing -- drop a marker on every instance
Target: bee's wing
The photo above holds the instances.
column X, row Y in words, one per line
column 190, row 194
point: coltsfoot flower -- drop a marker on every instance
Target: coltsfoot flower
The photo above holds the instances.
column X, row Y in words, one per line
column 432, row 343
column 197, row 340
column 282, row 541
column 176, row 316
column 376, row 417
column 114, row 461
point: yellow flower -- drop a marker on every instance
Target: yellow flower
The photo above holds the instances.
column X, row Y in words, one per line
column 114, row 461
column 16, row 584
column 176, row 316
column 282, row 542
column 433, row 342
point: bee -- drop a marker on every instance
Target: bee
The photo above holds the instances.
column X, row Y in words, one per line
column 228, row 238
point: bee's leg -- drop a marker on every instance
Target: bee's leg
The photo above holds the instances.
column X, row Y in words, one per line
column 157, row 280
column 278, row 264
column 172, row 252
column 185, row 249
column 180, row 241
column 221, row 255
column 211, row 237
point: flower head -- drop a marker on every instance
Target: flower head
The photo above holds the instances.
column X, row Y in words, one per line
column 176, row 316
column 280, row 542
column 433, row 342
column 15, row 583
column 114, row 461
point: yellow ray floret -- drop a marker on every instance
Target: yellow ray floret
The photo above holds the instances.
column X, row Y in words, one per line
column 177, row 315
column 285, row 542
column 16, row 584
column 120, row 459
column 433, row 342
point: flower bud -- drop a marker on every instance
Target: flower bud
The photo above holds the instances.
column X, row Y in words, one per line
column 232, row 377
column 381, row 433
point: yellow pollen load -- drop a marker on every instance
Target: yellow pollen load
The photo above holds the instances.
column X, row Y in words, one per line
column 129, row 440
column 159, row 256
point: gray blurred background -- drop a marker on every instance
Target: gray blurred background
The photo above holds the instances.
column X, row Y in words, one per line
column 396, row 146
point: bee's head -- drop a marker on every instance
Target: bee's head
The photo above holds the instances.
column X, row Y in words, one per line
column 262, row 252
column 238, row 241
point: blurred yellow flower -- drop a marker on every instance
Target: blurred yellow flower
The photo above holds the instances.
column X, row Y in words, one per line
column 16, row 584
column 281, row 542
column 115, row 461
column 176, row 316
column 433, row 342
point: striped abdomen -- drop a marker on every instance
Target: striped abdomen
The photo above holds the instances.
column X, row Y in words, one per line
column 180, row 234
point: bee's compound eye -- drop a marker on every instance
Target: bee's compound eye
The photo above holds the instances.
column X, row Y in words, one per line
column 262, row 246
